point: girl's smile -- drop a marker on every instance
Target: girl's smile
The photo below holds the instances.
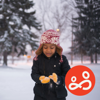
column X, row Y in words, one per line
column 48, row 53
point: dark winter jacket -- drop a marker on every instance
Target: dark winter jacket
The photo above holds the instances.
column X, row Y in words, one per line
column 46, row 66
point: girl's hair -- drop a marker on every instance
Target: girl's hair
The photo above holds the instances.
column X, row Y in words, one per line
column 40, row 49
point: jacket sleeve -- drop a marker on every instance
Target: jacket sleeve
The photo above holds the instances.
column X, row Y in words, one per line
column 35, row 72
column 65, row 68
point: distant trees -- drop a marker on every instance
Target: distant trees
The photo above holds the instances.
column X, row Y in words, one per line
column 87, row 28
column 14, row 15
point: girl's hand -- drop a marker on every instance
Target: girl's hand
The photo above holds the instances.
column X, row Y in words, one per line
column 41, row 77
column 54, row 77
column 44, row 79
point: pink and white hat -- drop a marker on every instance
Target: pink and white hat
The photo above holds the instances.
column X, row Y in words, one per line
column 50, row 36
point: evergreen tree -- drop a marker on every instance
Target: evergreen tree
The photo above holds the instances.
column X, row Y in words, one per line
column 13, row 36
column 87, row 28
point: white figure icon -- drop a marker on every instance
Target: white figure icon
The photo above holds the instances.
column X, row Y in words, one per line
column 73, row 79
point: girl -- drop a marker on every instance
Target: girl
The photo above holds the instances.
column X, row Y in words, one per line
column 49, row 69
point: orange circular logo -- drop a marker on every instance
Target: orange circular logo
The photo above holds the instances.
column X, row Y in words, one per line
column 80, row 80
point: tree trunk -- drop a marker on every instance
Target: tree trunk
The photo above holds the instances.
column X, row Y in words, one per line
column 13, row 54
column 81, row 58
column 0, row 59
column 72, row 44
column 5, row 58
column 91, row 58
column 96, row 58
column 71, row 58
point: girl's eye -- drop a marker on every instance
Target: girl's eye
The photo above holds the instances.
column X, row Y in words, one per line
column 45, row 48
column 52, row 48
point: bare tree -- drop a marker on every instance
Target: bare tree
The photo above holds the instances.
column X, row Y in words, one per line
column 54, row 15
column 44, row 7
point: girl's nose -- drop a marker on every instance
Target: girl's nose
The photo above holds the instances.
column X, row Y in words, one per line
column 48, row 49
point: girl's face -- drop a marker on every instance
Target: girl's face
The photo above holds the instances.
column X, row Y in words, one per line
column 49, row 49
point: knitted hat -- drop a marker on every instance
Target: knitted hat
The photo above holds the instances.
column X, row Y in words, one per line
column 50, row 36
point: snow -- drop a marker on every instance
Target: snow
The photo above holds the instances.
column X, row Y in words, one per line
column 4, row 37
column 16, row 82
column 1, row 16
column 17, row 20
column 11, row 30
column 2, row 40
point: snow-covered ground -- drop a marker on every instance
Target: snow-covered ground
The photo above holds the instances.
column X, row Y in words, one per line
column 16, row 82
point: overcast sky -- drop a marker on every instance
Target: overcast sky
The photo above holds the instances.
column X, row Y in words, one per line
column 67, row 42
